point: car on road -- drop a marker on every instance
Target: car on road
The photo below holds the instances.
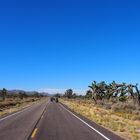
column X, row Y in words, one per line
column 52, row 99
column 56, row 100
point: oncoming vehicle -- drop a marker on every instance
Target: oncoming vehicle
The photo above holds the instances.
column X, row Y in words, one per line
column 54, row 99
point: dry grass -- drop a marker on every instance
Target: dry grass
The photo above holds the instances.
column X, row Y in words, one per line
column 125, row 124
column 12, row 105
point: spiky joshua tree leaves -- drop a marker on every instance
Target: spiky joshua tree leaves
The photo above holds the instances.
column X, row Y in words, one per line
column 121, row 92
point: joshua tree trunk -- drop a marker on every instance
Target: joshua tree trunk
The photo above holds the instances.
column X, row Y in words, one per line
column 94, row 99
column 138, row 94
column 131, row 92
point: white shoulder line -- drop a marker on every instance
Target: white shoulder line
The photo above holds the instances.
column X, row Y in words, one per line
column 86, row 123
column 14, row 114
column 23, row 110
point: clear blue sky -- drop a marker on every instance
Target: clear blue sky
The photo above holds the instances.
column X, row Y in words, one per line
column 69, row 43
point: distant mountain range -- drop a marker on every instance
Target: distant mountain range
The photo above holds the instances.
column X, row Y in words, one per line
column 16, row 91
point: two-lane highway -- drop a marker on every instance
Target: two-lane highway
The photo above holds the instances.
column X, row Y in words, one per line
column 51, row 121
column 59, row 123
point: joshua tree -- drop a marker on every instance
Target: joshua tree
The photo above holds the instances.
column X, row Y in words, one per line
column 138, row 93
column 21, row 95
column 111, row 90
column 68, row 93
column 94, row 89
column 4, row 94
column 88, row 94
column 130, row 90
column 100, row 91
column 123, row 92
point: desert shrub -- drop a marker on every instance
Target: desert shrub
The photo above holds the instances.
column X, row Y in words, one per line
column 100, row 102
column 33, row 100
column 138, row 109
column 123, row 107
column 115, row 108
column 136, row 118
column 123, row 98
column 136, row 112
column 7, row 104
column 107, row 106
column 113, row 100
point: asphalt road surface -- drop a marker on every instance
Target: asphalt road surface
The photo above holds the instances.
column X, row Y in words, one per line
column 18, row 126
column 51, row 121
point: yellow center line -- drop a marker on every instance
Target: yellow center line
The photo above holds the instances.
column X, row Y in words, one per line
column 34, row 133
